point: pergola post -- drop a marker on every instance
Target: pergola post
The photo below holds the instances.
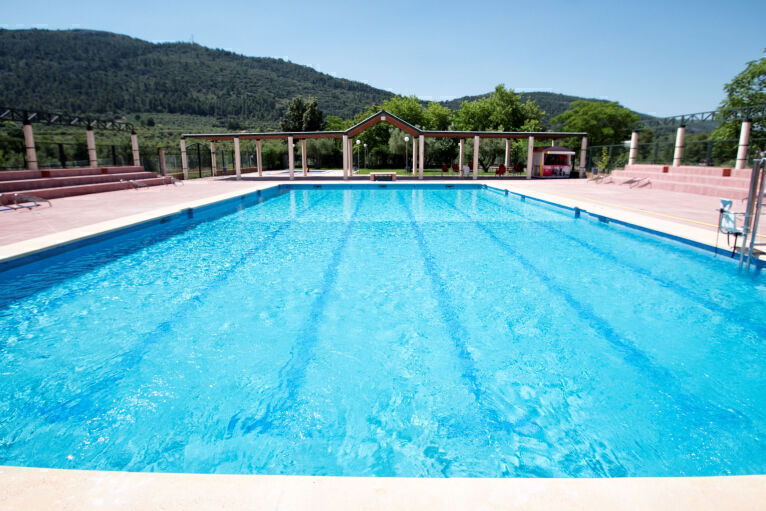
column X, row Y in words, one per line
column 507, row 161
column 29, row 143
column 259, row 157
column 633, row 148
column 679, row 152
column 583, row 155
column 91, row 140
column 303, row 157
column 213, row 166
column 744, row 142
column 414, row 155
column 184, row 161
column 421, row 154
column 530, row 156
column 350, row 158
column 134, row 147
column 476, row 141
column 345, row 156
column 237, row 159
column 461, row 157
column 291, row 157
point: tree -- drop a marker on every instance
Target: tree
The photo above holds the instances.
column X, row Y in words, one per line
column 293, row 119
column 437, row 117
column 748, row 88
column 605, row 123
column 313, row 117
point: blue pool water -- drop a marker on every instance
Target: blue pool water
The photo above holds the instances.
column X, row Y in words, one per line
column 398, row 331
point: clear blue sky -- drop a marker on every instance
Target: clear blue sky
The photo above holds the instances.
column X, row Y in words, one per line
column 659, row 57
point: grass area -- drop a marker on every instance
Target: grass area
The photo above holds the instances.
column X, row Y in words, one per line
column 426, row 172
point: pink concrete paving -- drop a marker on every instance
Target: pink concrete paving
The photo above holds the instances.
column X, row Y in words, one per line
column 697, row 210
column 73, row 212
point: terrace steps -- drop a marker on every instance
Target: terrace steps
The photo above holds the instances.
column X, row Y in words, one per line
column 56, row 183
column 710, row 181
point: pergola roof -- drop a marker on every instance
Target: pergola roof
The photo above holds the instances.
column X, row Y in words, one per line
column 382, row 116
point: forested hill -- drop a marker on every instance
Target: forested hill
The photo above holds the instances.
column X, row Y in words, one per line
column 84, row 71
column 93, row 72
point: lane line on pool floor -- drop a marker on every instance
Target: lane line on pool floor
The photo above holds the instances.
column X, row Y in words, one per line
column 131, row 358
column 293, row 371
column 633, row 355
column 674, row 287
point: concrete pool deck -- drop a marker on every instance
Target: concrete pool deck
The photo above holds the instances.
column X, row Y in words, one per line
column 23, row 232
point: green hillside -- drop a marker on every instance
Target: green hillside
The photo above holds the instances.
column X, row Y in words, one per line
column 94, row 72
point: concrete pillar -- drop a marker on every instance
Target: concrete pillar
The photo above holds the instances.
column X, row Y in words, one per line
column 259, row 158
column 29, row 142
column 134, row 147
column 530, row 156
column 507, row 161
column 414, row 155
column 583, row 155
column 213, row 165
column 633, row 148
column 744, row 141
column 679, row 152
column 350, row 157
column 291, row 157
column 345, row 156
column 163, row 167
column 237, row 159
column 303, row 157
column 462, row 156
column 476, row 140
column 184, row 161
column 421, row 155
column 91, row 139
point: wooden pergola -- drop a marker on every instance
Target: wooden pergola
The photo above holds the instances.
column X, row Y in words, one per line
column 418, row 144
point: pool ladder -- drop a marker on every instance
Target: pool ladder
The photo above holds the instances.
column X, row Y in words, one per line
column 755, row 199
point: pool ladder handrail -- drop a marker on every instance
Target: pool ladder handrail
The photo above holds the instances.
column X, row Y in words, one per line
column 755, row 199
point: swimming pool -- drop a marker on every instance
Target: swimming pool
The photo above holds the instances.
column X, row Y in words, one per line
column 389, row 330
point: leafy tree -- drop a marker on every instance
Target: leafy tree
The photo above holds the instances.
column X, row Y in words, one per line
column 406, row 108
column 748, row 88
column 605, row 123
column 293, row 119
column 313, row 117
column 437, row 117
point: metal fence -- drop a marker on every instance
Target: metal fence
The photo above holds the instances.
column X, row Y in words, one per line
column 13, row 154
column 713, row 153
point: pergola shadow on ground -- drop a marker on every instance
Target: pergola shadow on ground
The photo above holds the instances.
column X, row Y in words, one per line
column 418, row 146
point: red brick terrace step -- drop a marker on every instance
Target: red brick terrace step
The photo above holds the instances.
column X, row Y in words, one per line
column 68, row 191
column 72, row 180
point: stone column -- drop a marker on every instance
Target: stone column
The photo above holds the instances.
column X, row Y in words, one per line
column 351, row 157
column 476, row 141
column 91, row 139
column 633, row 148
column 213, row 166
column 291, row 157
column 679, row 152
column 462, row 156
column 303, row 157
column 583, row 155
column 744, row 141
column 414, row 155
column 421, row 155
column 163, row 167
column 134, row 147
column 259, row 158
column 345, row 156
column 184, row 161
column 237, row 159
column 29, row 142
column 507, row 161
column 530, row 156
